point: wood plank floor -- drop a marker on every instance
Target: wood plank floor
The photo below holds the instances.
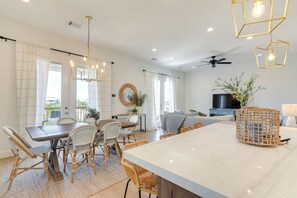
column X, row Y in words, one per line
column 110, row 183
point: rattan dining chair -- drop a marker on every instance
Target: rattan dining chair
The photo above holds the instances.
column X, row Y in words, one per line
column 82, row 139
column 143, row 179
column 107, row 138
column 185, row 129
column 23, row 151
column 197, row 125
column 166, row 135
column 127, row 133
column 90, row 121
column 66, row 120
column 63, row 141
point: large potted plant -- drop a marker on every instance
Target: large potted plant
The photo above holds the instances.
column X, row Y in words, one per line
column 137, row 99
column 239, row 89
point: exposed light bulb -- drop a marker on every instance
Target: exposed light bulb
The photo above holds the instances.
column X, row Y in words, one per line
column 104, row 63
column 258, row 9
column 97, row 66
column 271, row 56
column 71, row 63
column 102, row 70
column 93, row 67
column 85, row 59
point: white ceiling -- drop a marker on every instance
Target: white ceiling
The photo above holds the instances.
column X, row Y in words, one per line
column 175, row 28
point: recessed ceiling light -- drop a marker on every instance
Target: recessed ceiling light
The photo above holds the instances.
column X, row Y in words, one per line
column 170, row 58
column 249, row 38
column 154, row 49
column 259, row 54
column 193, row 67
column 26, row 1
column 210, row 29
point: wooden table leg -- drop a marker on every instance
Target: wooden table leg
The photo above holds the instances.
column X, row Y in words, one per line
column 53, row 165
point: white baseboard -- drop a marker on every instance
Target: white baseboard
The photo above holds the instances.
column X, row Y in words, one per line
column 5, row 154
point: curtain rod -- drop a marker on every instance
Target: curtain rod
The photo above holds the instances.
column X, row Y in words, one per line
column 161, row 74
column 53, row 49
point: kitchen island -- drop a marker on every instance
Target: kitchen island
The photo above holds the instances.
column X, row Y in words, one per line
column 210, row 162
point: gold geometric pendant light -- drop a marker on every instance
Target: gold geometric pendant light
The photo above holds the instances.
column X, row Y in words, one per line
column 272, row 54
column 258, row 17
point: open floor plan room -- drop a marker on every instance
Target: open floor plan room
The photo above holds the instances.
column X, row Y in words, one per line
column 159, row 98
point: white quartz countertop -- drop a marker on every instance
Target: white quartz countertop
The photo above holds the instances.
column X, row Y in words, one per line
column 210, row 162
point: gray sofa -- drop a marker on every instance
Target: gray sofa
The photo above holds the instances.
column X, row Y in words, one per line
column 173, row 122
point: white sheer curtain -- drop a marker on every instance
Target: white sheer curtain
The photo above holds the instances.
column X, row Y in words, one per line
column 150, row 104
column 32, row 65
column 100, row 95
column 173, row 89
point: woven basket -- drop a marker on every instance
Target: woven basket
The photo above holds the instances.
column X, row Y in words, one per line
column 258, row 126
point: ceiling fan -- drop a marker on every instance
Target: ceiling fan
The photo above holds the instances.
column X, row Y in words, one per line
column 213, row 62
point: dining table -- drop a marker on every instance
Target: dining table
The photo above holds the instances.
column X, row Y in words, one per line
column 53, row 133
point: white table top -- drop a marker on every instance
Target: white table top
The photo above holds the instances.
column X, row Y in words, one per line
column 210, row 162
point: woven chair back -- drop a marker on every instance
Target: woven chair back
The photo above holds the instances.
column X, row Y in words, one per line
column 66, row 120
column 111, row 130
column 19, row 146
column 82, row 136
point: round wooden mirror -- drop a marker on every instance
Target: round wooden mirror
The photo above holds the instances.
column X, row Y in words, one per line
column 126, row 90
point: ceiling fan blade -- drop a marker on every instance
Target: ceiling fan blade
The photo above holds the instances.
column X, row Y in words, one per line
column 204, row 61
column 224, row 62
column 222, row 59
column 202, row 65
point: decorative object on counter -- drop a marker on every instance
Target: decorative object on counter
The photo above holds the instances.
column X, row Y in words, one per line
column 272, row 54
column 88, row 69
column 289, row 110
column 93, row 113
column 258, row 126
column 242, row 91
column 134, row 111
column 258, row 17
column 137, row 99
column 125, row 91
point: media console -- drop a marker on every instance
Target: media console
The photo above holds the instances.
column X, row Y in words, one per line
column 221, row 112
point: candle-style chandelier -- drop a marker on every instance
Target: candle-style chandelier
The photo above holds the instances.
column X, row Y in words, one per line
column 258, row 17
column 88, row 69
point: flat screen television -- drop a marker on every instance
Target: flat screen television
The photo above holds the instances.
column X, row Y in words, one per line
column 225, row 101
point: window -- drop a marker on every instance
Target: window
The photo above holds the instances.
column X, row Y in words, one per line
column 52, row 110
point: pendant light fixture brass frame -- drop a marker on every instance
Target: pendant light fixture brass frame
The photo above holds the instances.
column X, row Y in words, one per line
column 90, row 69
column 272, row 54
column 243, row 21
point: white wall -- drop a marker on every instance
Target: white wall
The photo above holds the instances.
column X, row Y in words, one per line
column 280, row 83
column 126, row 69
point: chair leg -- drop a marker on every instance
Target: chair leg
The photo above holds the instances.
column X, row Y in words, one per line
column 73, row 167
column 126, row 189
column 45, row 163
column 134, row 137
column 105, row 156
column 12, row 174
column 117, row 150
column 139, row 193
column 150, row 195
column 65, row 159
column 92, row 160
column 124, row 139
